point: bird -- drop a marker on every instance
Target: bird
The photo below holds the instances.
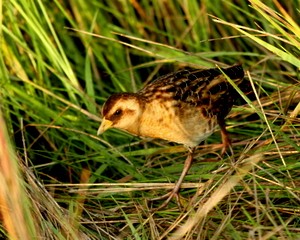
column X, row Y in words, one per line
column 184, row 107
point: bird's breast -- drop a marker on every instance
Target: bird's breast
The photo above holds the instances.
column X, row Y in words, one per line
column 182, row 124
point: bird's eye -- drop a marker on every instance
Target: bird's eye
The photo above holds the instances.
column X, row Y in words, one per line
column 117, row 112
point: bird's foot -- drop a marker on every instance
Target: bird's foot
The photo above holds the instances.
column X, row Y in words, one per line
column 175, row 191
column 168, row 197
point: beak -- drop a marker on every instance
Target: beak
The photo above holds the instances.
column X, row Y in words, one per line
column 106, row 124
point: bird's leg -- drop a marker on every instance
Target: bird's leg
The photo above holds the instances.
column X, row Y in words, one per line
column 175, row 191
column 225, row 136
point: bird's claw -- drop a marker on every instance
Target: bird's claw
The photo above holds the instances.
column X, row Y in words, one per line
column 168, row 196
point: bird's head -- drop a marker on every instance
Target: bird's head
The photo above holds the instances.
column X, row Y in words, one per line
column 121, row 110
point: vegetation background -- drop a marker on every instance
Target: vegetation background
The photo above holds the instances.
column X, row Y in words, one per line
column 60, row 60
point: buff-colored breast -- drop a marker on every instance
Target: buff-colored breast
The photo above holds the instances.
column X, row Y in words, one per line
column 182, row 125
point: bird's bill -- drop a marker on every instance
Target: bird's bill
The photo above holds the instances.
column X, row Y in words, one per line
column 106, row 124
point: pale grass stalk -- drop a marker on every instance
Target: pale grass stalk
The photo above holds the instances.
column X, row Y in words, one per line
column 222, row 191
column 13, row 202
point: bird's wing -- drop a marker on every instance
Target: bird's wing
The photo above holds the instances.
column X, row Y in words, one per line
column 196, row 87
